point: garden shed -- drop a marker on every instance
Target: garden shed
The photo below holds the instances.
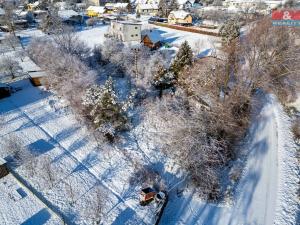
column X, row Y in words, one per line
column 3, row 168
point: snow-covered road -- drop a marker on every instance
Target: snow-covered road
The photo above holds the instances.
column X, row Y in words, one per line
column 262, row 193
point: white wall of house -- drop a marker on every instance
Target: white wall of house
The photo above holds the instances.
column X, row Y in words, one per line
column 126, row 31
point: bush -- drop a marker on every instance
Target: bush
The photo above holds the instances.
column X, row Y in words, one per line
column 91, row 21
column 296, row 130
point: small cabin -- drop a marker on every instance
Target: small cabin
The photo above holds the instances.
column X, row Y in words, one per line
column 147, row 195
column 152, row 39
column 4, row 90
column 35, row 73
column 37, row 77
column 3, row 168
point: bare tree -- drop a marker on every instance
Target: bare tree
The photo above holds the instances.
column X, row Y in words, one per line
column 272, row 59
column 94, row 211
column 10, row 42
column 49, row 170
column 68, row 75
column 13, row 145
column 68, row 42
column 9, row 67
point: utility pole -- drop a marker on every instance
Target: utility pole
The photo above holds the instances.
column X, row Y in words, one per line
column 136, row 50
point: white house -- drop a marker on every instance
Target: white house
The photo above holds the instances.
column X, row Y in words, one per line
column 147, row 9
column 125, row 30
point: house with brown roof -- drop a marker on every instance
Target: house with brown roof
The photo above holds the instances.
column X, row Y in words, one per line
column 180, row 17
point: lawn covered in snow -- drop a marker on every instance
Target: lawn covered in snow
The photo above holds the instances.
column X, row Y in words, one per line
column 19, row 206
column 35, row 116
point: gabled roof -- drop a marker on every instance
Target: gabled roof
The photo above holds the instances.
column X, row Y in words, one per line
column 98, row 9
column 153, row 35
column 37, row 74
column 148, row 6
column 29, row 66
column 116, row 5
column 67, row 14
column 180, row 14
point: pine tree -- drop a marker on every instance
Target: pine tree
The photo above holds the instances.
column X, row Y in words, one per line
column 163, row 79
column 230, row 31
column 106, row 112
column 183, row 57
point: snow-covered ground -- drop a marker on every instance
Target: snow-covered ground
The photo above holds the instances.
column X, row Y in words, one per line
column 30, row 115
column 266, row 193
column 19, row 206
column 199, row 42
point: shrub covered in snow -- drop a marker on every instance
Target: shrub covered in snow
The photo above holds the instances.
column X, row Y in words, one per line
column 9, row 67
column 230, row 31
column 107, row 113
column 163, row 79
column 296, row 130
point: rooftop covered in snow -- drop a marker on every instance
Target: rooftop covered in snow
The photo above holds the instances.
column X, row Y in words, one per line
column 180, row 14
column 67, row 14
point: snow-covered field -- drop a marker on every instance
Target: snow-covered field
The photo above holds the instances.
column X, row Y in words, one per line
column 56, row 134
column 262, row 194
column 19, row 206
column 200, row 43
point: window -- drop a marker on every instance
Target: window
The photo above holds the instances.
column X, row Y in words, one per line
column 132, row 35
column 135, row 28
column 136, row 35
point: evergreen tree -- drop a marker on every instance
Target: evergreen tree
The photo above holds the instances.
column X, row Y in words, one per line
column 183, row 57
column 105, row 111
column 163, row 79
column 230, row 31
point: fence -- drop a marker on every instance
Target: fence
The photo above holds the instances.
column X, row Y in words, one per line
column 188, row 29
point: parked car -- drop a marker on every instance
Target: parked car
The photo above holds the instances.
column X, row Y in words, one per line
column 157, row 19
